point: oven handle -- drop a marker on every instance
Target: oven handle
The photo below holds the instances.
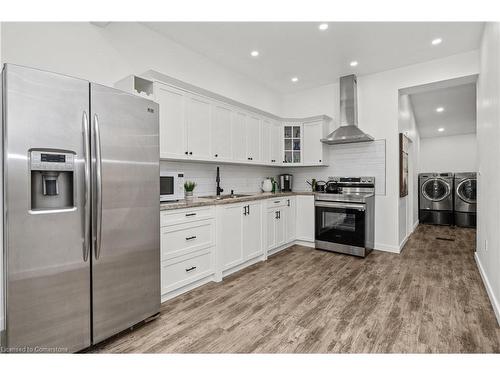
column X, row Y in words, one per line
column 360, row 207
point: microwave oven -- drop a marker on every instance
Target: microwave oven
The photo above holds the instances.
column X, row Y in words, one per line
column 171, row 186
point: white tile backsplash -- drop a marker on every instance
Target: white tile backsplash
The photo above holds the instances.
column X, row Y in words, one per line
column 240, row 178
column 354, row 159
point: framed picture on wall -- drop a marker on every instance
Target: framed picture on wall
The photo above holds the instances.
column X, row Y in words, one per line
column 403, row 165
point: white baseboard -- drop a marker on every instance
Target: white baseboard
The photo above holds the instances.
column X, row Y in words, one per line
column 186, row 288
column 415, row 225
column 239, row 267
column 489, row 289
column 304, row 243
column 388, row 248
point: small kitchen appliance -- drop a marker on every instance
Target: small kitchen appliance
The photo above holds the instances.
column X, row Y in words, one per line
column 171, row 186
column 286, row 182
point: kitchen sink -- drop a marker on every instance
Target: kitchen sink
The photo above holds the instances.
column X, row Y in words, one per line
column 226, row 196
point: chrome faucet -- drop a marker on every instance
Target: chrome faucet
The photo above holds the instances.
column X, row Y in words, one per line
column 217, row 179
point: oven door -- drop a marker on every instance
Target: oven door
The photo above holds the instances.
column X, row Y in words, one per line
column 341, row 223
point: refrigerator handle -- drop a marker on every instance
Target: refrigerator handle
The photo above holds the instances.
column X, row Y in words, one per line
column 86, row 144
column 98, row 174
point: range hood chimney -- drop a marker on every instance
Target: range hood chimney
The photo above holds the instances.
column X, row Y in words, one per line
column 348, row 131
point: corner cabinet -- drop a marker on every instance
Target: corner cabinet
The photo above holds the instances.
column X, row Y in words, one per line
column 201, row 126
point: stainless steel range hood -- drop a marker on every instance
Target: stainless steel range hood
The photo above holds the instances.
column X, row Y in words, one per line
column 348, row 131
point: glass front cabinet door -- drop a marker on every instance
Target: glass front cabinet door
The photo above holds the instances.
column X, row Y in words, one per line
column 292, row 143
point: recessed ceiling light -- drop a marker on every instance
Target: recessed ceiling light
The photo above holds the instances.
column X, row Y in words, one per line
column 323, row 26
column 441, row 130
column 436, row 41
column 439, row 109
column 294, row 79
column 254, row 53
column 353, row 63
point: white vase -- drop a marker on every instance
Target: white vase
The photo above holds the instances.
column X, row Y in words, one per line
column 188, row 195
column 267, row 185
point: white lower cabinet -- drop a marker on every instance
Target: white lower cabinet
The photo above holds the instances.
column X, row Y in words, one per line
column 305, row 218
column 239, row 234
column 280, row 222
column 181, row 271
column 205, row 244
column 187, row 243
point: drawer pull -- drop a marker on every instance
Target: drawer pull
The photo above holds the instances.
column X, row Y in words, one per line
column 190, row 269
column 277, row 201
column 190, row 238
column 191, row 214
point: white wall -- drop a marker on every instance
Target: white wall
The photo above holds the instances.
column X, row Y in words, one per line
column 378, row 115
column 488, row 138
column 408, row 206
column 247, row 179
column 106, row 55
column 456, row 153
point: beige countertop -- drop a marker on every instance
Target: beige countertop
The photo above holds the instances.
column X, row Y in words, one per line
column 200, row 201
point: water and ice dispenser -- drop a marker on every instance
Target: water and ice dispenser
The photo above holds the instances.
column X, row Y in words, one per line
column 52, row 179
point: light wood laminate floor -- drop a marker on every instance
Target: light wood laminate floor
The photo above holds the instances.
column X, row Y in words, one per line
column 428, row 299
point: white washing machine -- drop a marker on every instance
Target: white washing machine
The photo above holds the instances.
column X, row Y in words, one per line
column 465, row 199
column 436, row 198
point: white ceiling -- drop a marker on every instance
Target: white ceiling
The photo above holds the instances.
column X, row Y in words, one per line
column 317, row 58
column 458, row 117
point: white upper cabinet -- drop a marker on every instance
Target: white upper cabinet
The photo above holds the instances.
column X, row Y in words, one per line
column 172, row 121
column 266, row 141
column 238, row 136
column 276, row 143
column 253, row 132
column 292, row 143
column 198, row 127
column 312, row 145
column 221, row 132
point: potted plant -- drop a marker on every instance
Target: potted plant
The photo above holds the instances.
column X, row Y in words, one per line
column 188, row 190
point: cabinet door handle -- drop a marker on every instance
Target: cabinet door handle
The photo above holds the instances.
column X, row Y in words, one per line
column 216, row 155
column 245, row 210
column 191, row 153
column 186, row 152
column 279, row 214
column 248, row 209
column 276, row 214
column 288, row 204
column 190, row 238
column 191, row 214
column 190, row 269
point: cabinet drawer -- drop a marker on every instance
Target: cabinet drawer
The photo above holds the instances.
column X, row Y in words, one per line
column 186, row 215
column 277, row 202
column 181, row 271
column 183, row 238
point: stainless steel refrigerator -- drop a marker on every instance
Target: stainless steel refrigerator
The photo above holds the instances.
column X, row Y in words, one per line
column 81, row 210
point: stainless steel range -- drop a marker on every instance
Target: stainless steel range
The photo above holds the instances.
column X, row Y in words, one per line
column 345, row 216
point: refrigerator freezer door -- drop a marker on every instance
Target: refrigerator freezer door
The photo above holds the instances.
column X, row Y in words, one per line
column 126, row 262
column 48, row 279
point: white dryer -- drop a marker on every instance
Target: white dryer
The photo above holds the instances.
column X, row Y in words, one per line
column 465, row 199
